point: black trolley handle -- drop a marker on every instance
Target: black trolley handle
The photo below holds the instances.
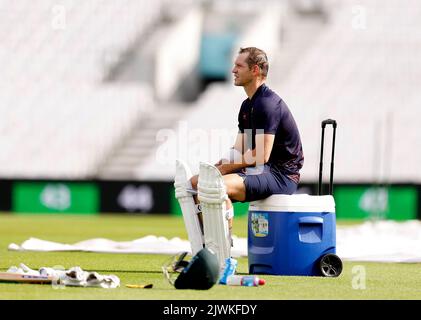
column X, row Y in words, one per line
column 334, row 125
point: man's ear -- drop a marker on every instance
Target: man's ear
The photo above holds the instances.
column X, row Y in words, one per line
column 256, row 70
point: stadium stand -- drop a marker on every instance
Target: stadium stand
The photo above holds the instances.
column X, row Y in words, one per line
column 209, row 128
column 68, row 41
column 67, row 111
column 361, row 72
column 359, row 69
column 59, row 119
column 202, row 135
column 175, row 74
column 67, row 131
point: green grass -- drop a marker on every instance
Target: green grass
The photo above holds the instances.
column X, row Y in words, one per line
column 383, row 280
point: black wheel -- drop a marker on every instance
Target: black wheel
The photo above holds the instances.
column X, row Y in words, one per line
column 330, row 265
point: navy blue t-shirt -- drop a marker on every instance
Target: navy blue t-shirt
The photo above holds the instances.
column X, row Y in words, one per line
column 267, row 113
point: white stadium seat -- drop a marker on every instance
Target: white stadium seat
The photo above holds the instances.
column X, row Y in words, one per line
column 58, row 117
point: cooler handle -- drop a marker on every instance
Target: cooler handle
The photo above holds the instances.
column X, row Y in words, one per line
column 314, row 220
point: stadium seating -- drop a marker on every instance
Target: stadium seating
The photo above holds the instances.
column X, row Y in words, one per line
column 68, row 132
column 59, row 120
column 210, row 127
column 69, row 41
column 362, row 75
column 207, row 132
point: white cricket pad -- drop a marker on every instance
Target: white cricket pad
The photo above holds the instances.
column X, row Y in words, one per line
column 212, row 196
column 184, row 195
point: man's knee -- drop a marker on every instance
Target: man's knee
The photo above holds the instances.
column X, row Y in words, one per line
column 194, row 181
column 235, row 187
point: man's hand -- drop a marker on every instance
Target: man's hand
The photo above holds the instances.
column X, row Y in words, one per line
column 227, row 168
column 258, row 156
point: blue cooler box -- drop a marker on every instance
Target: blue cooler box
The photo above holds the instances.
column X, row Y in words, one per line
column 288, row 234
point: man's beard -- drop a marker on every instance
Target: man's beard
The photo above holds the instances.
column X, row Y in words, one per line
column 240, row 83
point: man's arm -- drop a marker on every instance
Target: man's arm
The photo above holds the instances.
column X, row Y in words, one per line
column 258, row 156
column 239, row 146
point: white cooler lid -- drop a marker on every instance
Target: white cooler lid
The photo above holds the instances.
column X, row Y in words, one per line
column 295, row 203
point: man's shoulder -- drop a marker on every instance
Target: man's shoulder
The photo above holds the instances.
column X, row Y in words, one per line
column 270, row 100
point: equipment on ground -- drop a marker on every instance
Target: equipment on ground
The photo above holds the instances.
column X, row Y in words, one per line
column 200, row 273
column 25, row 278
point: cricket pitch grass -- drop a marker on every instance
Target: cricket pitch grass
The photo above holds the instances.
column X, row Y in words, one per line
column 359, row 280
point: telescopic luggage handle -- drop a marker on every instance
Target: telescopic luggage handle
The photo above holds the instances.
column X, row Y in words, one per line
column 334, row 125
column 329, row 121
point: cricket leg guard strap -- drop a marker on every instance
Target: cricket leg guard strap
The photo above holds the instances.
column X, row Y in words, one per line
column 212, row 195
column 229, row 213
column 189, row 209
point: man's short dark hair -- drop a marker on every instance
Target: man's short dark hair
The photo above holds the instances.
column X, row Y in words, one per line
column 257, row 57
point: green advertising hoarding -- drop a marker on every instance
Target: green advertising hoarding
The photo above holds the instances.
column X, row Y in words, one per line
column 55, row 197
column 359, row 202
column 376, row 202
